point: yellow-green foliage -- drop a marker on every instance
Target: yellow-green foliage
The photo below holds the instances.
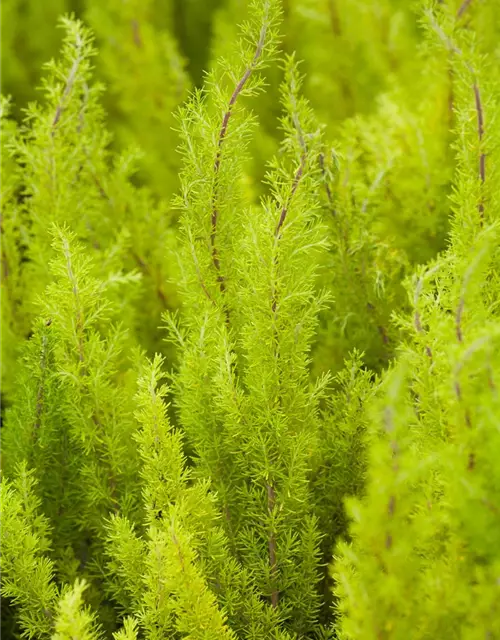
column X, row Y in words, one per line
column 250, row 329
column 426, row 532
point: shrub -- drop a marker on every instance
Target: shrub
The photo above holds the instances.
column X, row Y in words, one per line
column 250, row 324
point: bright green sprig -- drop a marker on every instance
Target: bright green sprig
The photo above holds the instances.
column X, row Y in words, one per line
column 27, row 571
column 74, row 621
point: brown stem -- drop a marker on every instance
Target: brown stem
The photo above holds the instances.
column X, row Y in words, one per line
column 467, row 418
column 200, row 279
column 491, row 382
column 463, row 8
column 49, row 615
column 98, row 183
column 492, row 507
column 376, row 317
column 284, row 211
column 391, row 506
column 417, row 322
column 300, row 171
column 5, row 266
column 383, row 334
column 477, row 98
column 83, row 108
column 146, row 269
column 472, row 462
column 286, row 206
column 480, row 134
column 5, row 261
column 420, row 329
column 325, row 182
column 137, row 34
column 67, row 90
column 336, row 27
column 220, row 142
column 389, row 419
column 334, row 18
column 458, row 393
column 458, row 319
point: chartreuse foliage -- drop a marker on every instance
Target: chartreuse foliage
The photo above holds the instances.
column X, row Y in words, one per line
column 424, row 561
column 250, row 278
column 59, row 170
column 250, row 320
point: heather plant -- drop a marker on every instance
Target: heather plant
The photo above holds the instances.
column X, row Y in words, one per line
column 70, row 176
column 251, row 394
column 249, row 320
column 431, row 540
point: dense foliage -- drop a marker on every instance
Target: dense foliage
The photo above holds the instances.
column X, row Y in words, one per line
column 250, row 320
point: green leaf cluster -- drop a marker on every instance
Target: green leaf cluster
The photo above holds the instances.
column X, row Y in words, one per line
column 250, row 326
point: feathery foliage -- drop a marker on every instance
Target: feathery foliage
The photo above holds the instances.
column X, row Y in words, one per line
column 250, row 319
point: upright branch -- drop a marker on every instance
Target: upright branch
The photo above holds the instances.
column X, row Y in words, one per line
column 67, row 90
column 72, row 271
column 453, row 48
column 301, row 139
column 299, row 173
column 79, row 48
column 334, row 18
column 458, row 319
column 480, row 133
column 416, row 317
column 284, row 210
column 463, row 8
column 299, row 125
column 136, row 32
column 40, row 395
column 390, row 426
column 220, row 142
column 296, row 181
column 27, row 571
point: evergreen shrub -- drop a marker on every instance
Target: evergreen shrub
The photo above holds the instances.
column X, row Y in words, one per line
column 250, row 319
